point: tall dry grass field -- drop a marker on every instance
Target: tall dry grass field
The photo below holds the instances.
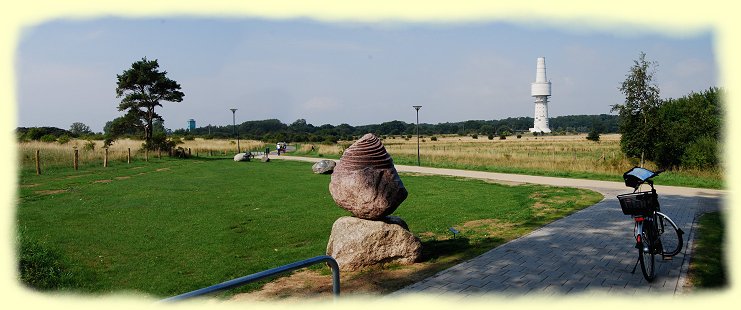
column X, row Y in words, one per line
column 224, row 147
column 548, row 154
column 54, row 154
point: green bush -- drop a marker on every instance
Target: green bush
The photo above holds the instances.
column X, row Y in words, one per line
column 593, row 136
column 89, row 145
column 48, row 138
column 42, row 267
column 34, row 133
column 701, row 153
column 63, row 139
column 475, row 136
column 519, row 136
column 160, row 141
column 490, row 136
column 433, row 138
column 108, row 142
column 682, row 123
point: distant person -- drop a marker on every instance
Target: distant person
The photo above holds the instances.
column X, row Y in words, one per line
column 277, row 148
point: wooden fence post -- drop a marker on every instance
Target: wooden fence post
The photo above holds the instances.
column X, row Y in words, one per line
column 105, row 157
column 188, row 152
column 146, row 154
column 128, row 157
column 77, row 158
column 38, row 163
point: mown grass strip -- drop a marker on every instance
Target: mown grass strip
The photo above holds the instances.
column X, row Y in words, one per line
column 708, row 266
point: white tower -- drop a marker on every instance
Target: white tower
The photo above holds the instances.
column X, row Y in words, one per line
column 541, row 90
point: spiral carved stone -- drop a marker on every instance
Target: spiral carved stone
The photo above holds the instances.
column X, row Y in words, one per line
column 365, row 181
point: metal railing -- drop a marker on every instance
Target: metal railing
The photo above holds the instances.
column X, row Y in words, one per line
column 265, row 274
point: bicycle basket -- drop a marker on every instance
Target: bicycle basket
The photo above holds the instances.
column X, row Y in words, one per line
column 640, row 203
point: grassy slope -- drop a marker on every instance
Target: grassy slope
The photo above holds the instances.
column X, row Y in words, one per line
column 171, row 226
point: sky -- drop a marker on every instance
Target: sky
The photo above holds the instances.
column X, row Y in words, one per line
column 341, row 72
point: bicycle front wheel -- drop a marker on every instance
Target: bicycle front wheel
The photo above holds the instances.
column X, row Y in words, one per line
column 646, row 256
column 669, row 235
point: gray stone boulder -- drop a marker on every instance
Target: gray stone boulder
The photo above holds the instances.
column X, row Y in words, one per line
column 242, row 157
column 324, row 166
column 357, row 243
column 365, row 181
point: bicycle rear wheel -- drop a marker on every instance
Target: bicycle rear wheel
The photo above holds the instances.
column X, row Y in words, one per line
column 646, row 256
column 669, row 235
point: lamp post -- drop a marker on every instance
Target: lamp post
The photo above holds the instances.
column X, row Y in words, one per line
column 416, row 107
column 234, row 128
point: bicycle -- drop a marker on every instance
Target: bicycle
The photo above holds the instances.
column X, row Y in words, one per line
column 655, row 233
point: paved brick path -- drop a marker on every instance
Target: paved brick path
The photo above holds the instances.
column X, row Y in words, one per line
column 589, row 251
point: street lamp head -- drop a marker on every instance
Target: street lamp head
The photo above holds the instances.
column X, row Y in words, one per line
column 233, row 110
column 416, row 107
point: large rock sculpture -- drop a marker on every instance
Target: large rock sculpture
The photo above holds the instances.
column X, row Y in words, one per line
column 365, row 181
column 356, row 243
column 324, row 166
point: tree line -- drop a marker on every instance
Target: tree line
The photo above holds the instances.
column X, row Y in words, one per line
column 673, row 133
column 273, row 130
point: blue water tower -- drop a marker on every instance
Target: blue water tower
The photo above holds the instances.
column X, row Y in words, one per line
column 191, row 124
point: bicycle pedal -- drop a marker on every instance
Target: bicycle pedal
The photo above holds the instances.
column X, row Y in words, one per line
column 667, row 257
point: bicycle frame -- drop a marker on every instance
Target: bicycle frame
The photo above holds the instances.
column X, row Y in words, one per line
column 652, row 218
column 654, row 232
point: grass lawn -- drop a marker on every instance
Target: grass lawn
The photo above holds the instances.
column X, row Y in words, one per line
column 170, row 226
column 708, row 268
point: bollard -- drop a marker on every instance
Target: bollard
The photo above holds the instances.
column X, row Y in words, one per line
column 128, row 157
column 38, row 163
column 76, row 159
column 146, row 154
column 188, row 152
column 105, row 157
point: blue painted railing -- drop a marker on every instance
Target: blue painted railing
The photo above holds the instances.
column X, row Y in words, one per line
column 265, row 274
